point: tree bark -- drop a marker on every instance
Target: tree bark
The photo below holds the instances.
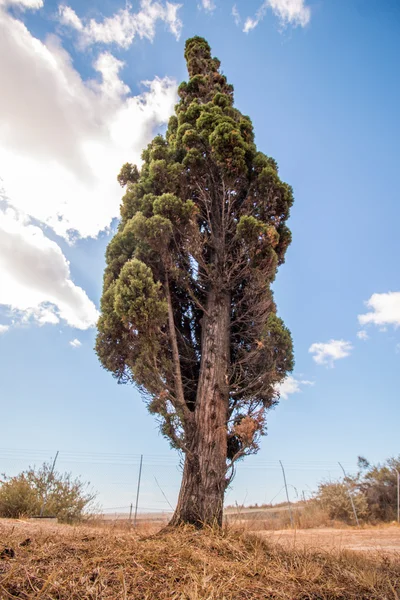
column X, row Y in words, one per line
column 201, row 497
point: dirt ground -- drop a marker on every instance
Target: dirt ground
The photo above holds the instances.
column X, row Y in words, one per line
column 377, row 539
column 48, row 561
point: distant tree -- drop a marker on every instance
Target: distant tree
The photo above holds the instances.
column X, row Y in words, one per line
column 187, row 308
column 379, row 485
column 63, row 497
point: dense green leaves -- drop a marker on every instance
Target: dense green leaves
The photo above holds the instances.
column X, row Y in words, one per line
column 137, row 298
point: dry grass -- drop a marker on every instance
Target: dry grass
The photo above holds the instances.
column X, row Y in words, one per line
column 144, row 527
column 83, row 563
column 278, row 517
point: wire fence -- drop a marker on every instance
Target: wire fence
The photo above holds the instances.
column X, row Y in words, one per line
column 115, row 478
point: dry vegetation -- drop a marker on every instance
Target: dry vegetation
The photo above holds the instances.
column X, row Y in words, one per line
column 70, row 563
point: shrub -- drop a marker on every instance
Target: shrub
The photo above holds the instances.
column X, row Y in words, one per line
column 335, row 500
column 58, row 494
column 379, row 486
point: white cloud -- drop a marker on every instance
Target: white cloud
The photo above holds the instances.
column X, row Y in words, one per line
column 125, row 25
column 290, row 385
column 69, row 17
column 289, row 12
column 385, row 310
column 62, row 143
column 75, row 343
column 63, row 140
column 208, row 5
column 31, row 4
column 4, row 328
column 236, row 15
column 327, row 353
column 362, row 335
column 35, row 280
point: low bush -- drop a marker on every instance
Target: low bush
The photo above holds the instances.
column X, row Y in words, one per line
column 43, row 492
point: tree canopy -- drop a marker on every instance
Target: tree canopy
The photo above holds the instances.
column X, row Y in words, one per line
column 188, row 274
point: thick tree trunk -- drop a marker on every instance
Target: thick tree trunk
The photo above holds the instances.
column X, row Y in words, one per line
column 203, row 486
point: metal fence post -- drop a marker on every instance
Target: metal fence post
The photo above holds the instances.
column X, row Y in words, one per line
column 398, row 495
column 138, row 489
column 350, row 495
column 47, row 484
column 287, row 496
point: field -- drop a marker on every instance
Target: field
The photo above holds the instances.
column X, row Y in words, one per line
column 46, row 561
column 385, row 540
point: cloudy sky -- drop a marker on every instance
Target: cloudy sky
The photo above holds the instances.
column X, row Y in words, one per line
column 84, row 86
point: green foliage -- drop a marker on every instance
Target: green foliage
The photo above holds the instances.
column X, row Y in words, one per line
column 373, row 489
column 18, row 497
column 378, row 483
column 137, row 299
column 334, row 498
column 204, row 218
column 128, row 174
column 63, row 497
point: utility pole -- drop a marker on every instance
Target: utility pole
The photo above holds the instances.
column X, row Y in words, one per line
column 130, row 513
column 287, row 496
column 350, row 495
column 398, row 495
column 47, row 484
column 138, row 489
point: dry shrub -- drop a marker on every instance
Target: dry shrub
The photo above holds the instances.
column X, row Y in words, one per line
column 43, row 489
column 334, row 498
column 314, row 515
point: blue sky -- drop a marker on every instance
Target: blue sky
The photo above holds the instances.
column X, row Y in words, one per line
column 319, row 79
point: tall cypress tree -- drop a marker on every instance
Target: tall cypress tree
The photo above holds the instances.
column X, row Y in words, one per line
column 187, row 309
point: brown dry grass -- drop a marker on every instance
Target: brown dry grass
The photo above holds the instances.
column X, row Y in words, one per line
column 273, row 518
column 83, row 563
column 378, row 540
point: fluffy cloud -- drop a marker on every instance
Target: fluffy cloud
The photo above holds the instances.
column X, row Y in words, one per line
column 35, row 280
column 75, row 343
column 385, row 310
column 290, row 385
column 289, row 12
column 31, row 4
column 62, row 139
column 208, row 5
column 62, row 143
column 327, row 353
column 362, row 335
column 125, row 25
column 4, row 328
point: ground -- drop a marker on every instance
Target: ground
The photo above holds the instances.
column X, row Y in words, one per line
column 46, row 561
column 375, row 539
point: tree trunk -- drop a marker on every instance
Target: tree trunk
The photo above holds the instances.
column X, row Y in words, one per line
column 201, row 497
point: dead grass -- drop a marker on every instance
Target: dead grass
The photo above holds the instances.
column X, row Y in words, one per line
column 85, row 563
column 305, row 516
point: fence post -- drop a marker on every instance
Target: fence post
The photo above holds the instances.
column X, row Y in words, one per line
column 398, row 495
column 287, row 496
column 350, row 495
column 47, row 484
column 138, row 489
